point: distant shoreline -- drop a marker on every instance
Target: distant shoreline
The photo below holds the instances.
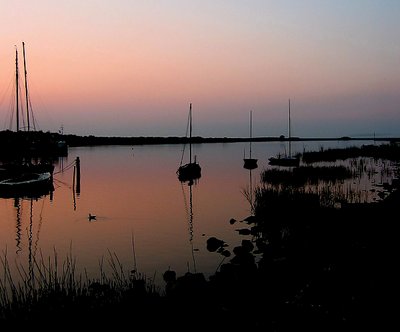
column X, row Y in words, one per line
column 13, row 141
column 75, row 140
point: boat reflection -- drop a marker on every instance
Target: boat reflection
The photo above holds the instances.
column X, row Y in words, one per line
column 27, row 202
column 189, row 214
column 21, row 206
column 248, row 192
column 25, row 217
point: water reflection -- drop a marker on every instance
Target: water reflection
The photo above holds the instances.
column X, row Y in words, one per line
column 189, row 214
column 76, row 178
column 28, row 207
column 248, row 192
column 28, row 211
column 140, row 194
column 24, row 206
column 251, row 193
column 26, row 193
column 17, row 205
column 25, row 183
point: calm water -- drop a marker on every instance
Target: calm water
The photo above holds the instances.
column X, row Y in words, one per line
column 143, row 211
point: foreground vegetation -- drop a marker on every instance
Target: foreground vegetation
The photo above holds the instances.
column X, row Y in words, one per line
column 302, row 265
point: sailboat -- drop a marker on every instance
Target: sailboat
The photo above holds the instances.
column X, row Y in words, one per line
column 192, row 170
column 286, row 160
column 20, row 176
column 250, row 163
column 26, row 141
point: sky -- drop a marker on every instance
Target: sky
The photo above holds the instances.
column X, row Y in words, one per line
column 131, row 68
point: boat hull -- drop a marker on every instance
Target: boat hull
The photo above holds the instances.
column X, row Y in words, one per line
column 250, row 163
column 27, row 185
column 284, row 161
column 189, row 172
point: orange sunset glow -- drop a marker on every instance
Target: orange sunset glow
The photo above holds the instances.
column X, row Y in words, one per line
column 132, row 68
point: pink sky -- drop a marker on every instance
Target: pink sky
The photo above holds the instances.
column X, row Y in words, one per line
column 131, row 68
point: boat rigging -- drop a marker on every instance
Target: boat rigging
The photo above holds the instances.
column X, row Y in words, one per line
column 287, row 160
column 191, row 171
column 250, row 163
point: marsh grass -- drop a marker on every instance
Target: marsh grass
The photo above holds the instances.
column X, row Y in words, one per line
column 53, row 286
column 337, row 176
column 383, row 151
column 322, row 271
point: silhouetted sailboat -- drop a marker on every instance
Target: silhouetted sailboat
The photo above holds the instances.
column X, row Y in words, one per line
column 192, row 170
column 26, row 142
column 20, row 177
column 287, row 159
column 250, row 163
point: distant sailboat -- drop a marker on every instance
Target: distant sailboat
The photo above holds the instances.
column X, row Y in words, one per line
column 250, row 163
column 287, row 160
column 192, row 170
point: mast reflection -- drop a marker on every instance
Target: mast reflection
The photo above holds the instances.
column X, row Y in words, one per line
column 25, row 210
column 250, row 164
column 189, row 213
column 17, row 206
column 249, row 191
column 23, row 204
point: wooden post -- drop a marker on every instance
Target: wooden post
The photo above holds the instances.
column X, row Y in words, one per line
column 73, row 179
column 78, row 175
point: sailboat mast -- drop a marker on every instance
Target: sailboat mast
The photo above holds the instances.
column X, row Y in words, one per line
column 26, row 87
column 251, row 129
column 290, row 137
column 16, row 87
column 190, row 133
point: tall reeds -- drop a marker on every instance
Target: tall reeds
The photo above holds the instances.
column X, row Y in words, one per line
column 50, row 284
column 358, row 179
